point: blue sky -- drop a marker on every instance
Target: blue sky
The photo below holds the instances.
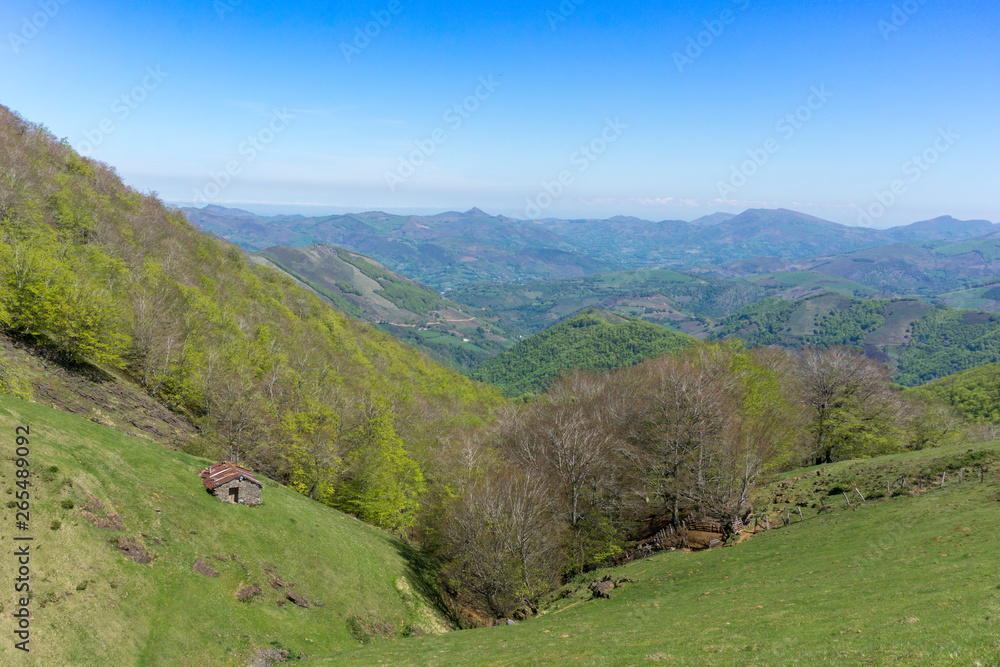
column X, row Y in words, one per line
column 876, row 113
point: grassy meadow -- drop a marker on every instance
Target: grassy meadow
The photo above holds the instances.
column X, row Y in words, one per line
column 92, row 605
column 909, row 579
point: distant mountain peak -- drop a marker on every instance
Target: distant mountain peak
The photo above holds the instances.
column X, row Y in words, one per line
column 477, row 212
column 713, row 219
column 231, row 212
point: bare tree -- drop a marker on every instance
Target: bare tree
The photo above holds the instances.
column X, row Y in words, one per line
column 710, row 423
column 501, row 542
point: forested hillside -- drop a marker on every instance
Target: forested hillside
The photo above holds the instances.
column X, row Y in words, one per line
column 921, row 341
column 603, row 462
column 361, row 287
column 593, row 340
column 974, row 393
column 107, row 282
column 952, row 261
column 686, row 301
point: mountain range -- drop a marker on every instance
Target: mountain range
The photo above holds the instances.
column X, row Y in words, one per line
column 454, row 249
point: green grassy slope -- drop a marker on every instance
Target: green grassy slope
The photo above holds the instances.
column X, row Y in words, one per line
column 981, row 296
column 799, row 284
column 592, row 340
column 910, row 580
column 94, row 606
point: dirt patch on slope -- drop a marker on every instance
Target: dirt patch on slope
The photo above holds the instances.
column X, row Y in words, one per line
column 97, row 395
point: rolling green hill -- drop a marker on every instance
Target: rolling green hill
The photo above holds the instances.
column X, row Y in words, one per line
column 451, row 333
column 686, row 301
column 926, row 268
column 909, row 579
column 94, row 604
column 984, row 296
column 922, row 341
column 975, row 393
column 592, row 340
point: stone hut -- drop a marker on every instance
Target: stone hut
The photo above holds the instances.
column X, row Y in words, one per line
column 231, row 483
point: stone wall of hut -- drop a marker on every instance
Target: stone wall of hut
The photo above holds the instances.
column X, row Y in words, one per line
column 248, row 493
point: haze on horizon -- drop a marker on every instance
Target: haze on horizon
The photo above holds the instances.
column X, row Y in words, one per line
column 531, row 109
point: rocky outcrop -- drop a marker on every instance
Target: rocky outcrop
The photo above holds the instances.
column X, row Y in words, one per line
column 602, row 588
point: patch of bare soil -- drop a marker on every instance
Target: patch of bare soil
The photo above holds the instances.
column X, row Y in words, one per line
column 98, row 395
column 285, row 590
column 201, row 567
column 135, row 550
column 248, row 592
column 266, row 657
column 95, row 512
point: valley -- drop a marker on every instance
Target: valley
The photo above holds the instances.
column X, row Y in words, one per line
column 489, row 334
column 635, row 401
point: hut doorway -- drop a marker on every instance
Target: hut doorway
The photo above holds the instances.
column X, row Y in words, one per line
column 234, row 495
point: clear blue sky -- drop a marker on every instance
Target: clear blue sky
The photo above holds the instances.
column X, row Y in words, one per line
column 897, row 80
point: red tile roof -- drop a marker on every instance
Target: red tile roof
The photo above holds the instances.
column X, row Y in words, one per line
column 216, row 475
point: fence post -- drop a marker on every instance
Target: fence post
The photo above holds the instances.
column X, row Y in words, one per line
column 960, row 471
column 768, row 520
column 943, row 473
column 800, row 512
column 859, row 493
column 847, row 499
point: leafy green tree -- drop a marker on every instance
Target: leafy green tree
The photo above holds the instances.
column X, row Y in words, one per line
column 312, row 452
column 853, row 411
column 382, row 484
